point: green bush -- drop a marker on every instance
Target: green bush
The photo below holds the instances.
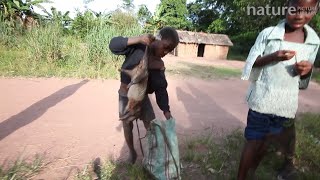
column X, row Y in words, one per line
column 317, row 62
column 83, row 23
column 315, row 23
column 242, row 44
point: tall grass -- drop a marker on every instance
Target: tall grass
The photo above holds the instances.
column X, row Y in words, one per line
column 9, row 31
column 44, row 43
column 47, row 51
column 97, row 42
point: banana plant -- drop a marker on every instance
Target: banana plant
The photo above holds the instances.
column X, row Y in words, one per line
column 9, row 10
column 20, row 11
column 15, row 9
column 58, row 16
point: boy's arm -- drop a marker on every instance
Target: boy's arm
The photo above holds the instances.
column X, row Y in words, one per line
column 120, row 45
column 256, row 50
column 158, row 84
column 281, row 55
column 256, row 59
column 304, row 68
column 163, row 101
column 304, row 80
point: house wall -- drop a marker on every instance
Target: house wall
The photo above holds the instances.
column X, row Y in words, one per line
column 216, row 52
column 210, row 51
column 187, row 50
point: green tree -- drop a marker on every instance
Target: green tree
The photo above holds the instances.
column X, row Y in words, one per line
column 217, row 26
column 171, row 13
column 315, row 23
column 83, row 23
column 58, row 17
column 128, row 5
column 202, row 15
column 237, row 17
column 144, row 14
column 233, row 15
column 15, row 10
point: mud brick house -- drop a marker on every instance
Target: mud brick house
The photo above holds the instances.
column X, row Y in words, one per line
column 199, row 44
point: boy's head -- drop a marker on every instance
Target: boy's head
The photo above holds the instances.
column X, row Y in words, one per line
column 300, row 12
column 166, row 40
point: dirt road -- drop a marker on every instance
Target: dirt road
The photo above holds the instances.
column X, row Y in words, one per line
column 72, row 122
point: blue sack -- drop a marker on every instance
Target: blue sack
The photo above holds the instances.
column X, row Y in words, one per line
column 161, row 158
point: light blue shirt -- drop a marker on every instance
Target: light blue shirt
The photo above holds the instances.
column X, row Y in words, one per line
column 274, row 88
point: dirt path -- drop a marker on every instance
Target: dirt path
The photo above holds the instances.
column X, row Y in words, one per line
column 173, row 60
column 72, row 122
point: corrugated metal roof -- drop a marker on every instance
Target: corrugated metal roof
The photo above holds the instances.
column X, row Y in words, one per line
column 204, row 38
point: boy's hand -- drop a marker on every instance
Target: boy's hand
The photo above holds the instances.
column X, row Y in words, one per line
column 167, row 115
column 303, row 67
column 147, row 39
column 284, row 55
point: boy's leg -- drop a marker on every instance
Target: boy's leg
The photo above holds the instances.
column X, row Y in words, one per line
column 147, row 113
column 128, row 135
column 252, row 154
column 254, row 150
column 127, row 129
column 288, row 141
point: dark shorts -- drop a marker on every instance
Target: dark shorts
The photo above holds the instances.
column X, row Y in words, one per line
column 147, row 113
column 259, row 125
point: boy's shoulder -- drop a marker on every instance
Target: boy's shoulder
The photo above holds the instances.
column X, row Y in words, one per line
column 312, row 35
column 138, row 47
column 274, row 32
column 268, row 29
column 265, row 33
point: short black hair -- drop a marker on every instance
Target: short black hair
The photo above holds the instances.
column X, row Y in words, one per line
column 170, row 34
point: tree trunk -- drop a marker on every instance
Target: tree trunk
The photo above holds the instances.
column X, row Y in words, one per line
column 29, row 22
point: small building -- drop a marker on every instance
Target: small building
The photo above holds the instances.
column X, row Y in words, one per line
column 199, row 44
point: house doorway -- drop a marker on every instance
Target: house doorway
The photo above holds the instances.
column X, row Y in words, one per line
column 201, row 48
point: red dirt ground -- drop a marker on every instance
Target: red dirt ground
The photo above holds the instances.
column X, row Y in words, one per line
column 72, row 122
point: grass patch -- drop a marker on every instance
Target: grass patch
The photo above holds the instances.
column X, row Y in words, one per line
column 22, row 169
column 233, row 55
column 220, row 160
column 316, row 75
column 14, row 62
column 308, row 146
column 183, row 69
column 216, row 160
column 114, row 171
